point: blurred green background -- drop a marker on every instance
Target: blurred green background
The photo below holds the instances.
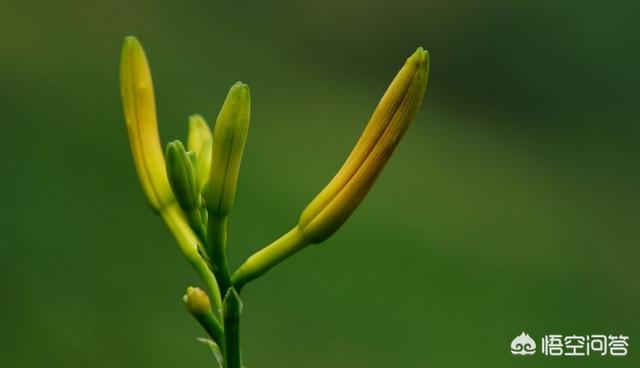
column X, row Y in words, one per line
column 511, row 205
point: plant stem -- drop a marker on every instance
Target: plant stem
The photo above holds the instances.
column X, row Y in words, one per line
column 269, row 256
column 187, row 240
column 217, row 239
column 232, row 306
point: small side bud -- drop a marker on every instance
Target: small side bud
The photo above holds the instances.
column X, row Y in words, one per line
column 229, row 138
column 198, row 305
column 182, row 176
column 197, row 301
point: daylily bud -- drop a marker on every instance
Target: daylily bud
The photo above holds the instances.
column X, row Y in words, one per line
column 229, row 137
column 199, row 133
column 198, row 304
column 197, row 301
column 337, row 201
column 199, row 142
column 182, row 176
column 397, row 108
column 203, row 165
column 138, row 101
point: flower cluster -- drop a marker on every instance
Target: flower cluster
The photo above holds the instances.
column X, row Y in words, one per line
column 193, row 187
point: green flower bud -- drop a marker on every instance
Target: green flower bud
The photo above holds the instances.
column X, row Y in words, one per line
column 229, row 137
column 182, row 176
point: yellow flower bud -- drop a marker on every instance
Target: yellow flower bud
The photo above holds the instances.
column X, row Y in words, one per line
column 229, row 137
column 397, row 108
column 337, row 201
column 138, row 101
column 197, row 301
column 198, row 304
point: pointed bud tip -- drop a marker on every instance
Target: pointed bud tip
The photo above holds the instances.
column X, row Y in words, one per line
column 195, row 118
column 131, row 44
column 420, row 57
column 240, row 88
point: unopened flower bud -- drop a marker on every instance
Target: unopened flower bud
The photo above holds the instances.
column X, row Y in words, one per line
column 138, row 101
column 182, row 176
column 397, row 108
column 337, row 201
column 198, row 304
column 229, row 137
column 197, row 301
column 199, row 133
column 199, row 142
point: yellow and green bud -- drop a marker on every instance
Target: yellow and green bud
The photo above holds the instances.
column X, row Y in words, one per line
column 136, row 88
column 199, row 133
column 229, row 137
column 198, row 304
column 397, row 108
column 337, row 201
column 182, row 176
column 197, row 301
column 199, row 141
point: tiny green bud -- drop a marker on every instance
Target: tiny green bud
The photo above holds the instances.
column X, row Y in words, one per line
column 182, row 177
column 229, row 137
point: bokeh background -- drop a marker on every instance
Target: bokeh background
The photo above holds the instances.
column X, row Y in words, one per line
column 511, row 205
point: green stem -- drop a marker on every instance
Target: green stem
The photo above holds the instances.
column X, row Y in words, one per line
column 217, row 243
column 268, row 257
column 232, row 306
column 213, row 328
column 188, row 242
